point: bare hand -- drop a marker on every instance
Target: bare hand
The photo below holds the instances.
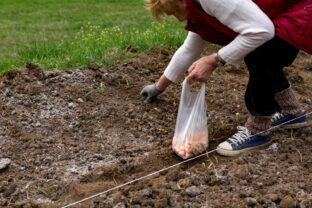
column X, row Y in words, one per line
column 202, row 69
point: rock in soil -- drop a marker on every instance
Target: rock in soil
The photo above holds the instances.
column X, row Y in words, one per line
column 192, row 191
column 4, row 163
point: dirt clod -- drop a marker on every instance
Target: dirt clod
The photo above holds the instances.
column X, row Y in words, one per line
column 288, row 202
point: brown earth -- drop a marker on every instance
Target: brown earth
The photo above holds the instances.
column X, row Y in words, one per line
column 74, row 133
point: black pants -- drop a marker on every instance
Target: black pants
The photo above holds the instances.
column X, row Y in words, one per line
column 265, row 65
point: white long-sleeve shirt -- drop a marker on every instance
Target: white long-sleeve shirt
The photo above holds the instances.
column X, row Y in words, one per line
column 243, row 16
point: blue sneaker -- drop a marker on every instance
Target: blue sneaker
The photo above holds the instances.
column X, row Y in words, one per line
column 288, row 121
column 242, row 141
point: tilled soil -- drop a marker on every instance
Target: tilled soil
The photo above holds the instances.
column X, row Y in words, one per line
column 71, row 134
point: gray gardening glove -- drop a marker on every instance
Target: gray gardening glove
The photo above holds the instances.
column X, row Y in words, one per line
column 150, row 92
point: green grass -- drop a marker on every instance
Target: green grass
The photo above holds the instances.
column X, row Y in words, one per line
column 75, row 33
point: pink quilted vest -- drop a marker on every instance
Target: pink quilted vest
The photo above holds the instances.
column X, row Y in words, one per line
column 292, row 20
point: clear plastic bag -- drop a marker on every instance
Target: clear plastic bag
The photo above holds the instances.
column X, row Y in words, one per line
column 191, row 132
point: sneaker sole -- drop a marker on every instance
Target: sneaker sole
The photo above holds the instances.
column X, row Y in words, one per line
column 231, row 153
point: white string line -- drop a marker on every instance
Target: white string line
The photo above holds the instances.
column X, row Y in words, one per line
column 172, row 166
column 137, row 179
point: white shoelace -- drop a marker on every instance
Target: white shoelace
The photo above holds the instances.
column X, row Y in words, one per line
column 242, row 135
column 277, row 116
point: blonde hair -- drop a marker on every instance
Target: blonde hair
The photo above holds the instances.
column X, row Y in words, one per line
column 159, row 8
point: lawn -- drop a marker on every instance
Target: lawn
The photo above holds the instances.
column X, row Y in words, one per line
column 75, row 33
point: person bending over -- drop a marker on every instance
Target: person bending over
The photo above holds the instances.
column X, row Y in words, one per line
column 266, row 37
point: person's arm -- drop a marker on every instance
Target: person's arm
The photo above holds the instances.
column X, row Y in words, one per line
column 184, row 57
column 244, row 17
column 180, row 62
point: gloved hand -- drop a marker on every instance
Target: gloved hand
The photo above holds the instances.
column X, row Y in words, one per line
column 150, row 92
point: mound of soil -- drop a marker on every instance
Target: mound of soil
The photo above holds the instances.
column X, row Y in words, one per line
column 70, row 134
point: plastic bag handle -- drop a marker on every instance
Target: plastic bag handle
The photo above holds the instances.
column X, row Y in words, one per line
column 188, row 97
column 186, row 86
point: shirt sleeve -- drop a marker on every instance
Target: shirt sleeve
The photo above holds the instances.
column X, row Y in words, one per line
column 188, row 52
column 244, row 17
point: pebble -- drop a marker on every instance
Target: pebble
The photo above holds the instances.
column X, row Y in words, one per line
column 306, row 203
column 37, row 124
column 288, row 202
column 251, row 201
column 7, row 93
column 240, row 161
column 163, row 202
column 147, row 192
column 183, row 183
column 120, row 205
column 308, row 101
column 175, row 200
column 192, row 191
column 71, row 105
column 272, row 197
column 98, row 156
column 260, row 184
column 55, row 93
column 3, row 202
column 241, row 171
column 273, row 147
column 294, row 168
column 73, row 170
column 4, row 163
column 173, row 186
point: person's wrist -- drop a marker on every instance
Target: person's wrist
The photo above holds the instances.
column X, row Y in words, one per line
column 218, row 60
column 158, row 88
